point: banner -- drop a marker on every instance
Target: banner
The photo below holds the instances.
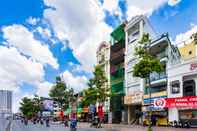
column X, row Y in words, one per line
column 178, row 102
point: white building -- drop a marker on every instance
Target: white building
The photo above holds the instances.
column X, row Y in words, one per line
column 5, row 109
column 182, row 80
column 103, row 59
column 5, row 101
column 134, row 30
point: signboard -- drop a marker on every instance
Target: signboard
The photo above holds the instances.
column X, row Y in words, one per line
column 179, row 102
column 133, row 99
column 127, row 100
column 193, row 66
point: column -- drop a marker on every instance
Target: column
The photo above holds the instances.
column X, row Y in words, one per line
column 128, row 114
column 141, row 28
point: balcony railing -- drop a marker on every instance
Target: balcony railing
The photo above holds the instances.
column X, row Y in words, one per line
column 157, row 76
column 117, row 55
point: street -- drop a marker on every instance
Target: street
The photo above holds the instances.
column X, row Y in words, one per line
column 18, row 126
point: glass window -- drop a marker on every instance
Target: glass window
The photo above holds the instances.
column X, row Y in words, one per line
column 175, row 87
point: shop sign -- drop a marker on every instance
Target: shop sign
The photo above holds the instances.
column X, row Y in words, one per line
column 179, row 102
column 128, row 100
column 193, row 66
column 133, row 99
column 137, row 97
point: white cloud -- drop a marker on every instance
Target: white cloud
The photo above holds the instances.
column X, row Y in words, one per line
column 137, row 7
column 21, row 38
column 43, row 89
column 76, row 82
column 83, row 27
column 32, row 21
column 173, row 2
column 16, row 69
column 185, row 37
column 110, row 5
column 45, row 32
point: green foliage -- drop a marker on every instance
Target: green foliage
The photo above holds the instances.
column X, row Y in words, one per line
column 97, row 91
column 62, row 94
column 30, row 107
column 147, row 63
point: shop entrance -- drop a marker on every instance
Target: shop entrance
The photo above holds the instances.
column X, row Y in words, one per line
column 189, row 115
column 189, row 88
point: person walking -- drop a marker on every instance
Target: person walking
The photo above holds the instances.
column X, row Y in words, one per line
column 47, row 122
column 73, row 122
column 100, row 115
column 66, row 121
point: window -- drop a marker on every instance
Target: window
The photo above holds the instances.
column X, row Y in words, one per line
column 190, row 52
column 189, row 88
column 175, row 87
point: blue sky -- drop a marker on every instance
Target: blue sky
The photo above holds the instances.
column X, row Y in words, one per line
column 64, row 36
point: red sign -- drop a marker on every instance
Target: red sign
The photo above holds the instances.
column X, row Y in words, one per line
column 193, row 66
column 178, row 102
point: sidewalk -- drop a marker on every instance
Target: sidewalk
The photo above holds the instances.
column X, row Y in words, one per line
column 124, row 127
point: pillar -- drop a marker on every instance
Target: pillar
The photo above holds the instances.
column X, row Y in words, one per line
column 128, row 114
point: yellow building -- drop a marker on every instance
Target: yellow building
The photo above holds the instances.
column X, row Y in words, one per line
column 188, row 51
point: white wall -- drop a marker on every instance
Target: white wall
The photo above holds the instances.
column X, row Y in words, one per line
column 177, row 72
column 133, row 84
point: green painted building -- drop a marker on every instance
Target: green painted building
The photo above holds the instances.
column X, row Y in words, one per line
column 117, row 72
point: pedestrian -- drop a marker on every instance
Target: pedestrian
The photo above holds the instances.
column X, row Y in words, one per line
column 47, row 122
column 100, row 115
column 153, row 120
column 66, row 121
column 25, row 121
column 73, row 122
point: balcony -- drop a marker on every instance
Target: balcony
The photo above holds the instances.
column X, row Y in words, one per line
column 157, row 76
column 156, row 94
column 117, row 57
column 117, row 46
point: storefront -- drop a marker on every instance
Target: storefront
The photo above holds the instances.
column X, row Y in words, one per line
column 134, row 106
column 182, row 91
column 186, row 108
column 158, row 112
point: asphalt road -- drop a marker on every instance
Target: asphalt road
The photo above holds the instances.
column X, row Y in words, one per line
column 18, row 126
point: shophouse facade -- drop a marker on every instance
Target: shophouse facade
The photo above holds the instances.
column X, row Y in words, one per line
column 162, row 49
column 134, row 30
column 182, row 91
column 117, row 50
column 103, row 59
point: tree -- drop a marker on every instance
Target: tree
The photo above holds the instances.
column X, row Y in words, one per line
column 30, row 107
column 147, row 62
column 97, row 91
column 62, row 94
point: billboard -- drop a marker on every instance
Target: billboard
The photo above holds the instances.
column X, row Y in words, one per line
column 178, row 102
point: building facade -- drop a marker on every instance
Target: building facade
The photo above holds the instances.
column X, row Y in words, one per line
column 5, row 101
column 5, row 109
column 117, row 50
column 103, row 59
column 134, row 30
column 182, row 91
column 162, row 49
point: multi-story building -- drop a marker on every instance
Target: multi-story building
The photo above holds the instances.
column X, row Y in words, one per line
column 5, row 109
column 161, row 48
column 134, row 30
column 182, row 91
column 103, row 59
column 5, row 101
column 117, row 50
